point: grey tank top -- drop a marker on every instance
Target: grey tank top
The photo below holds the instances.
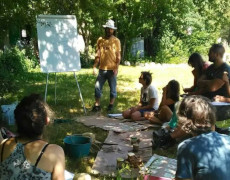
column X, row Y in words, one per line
column 16, row 167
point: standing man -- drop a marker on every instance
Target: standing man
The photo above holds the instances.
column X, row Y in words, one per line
column 108, row 57
column 211, row 83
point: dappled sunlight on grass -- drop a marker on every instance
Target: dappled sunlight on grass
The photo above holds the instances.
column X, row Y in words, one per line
column 68, row 102
column 69, row 106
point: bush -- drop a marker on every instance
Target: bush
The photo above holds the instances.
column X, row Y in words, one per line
column 13, row 65
column 86, row 62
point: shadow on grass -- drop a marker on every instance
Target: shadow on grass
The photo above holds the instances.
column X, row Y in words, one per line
column 68, row 101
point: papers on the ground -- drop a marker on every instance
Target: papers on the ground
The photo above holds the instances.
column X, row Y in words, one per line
column 69, row 175
column 116, row 116
column 215, row 103
column 124, row 127
column 160, row 167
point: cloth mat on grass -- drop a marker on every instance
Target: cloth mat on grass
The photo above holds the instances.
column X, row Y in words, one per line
column 124, row 138
column 117, row 125
column 118, row 145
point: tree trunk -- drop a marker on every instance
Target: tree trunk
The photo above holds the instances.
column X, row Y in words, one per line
column 123, row 51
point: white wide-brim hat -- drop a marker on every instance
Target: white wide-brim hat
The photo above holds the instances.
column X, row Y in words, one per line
column 109, row 24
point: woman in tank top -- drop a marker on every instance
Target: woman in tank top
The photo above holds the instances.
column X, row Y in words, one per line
column 27, row 156
column 170, row 96
column 199, row 67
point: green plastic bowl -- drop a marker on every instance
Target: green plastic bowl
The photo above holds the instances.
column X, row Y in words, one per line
column 77, row 146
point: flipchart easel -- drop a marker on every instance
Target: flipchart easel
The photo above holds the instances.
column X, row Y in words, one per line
column 59, row 45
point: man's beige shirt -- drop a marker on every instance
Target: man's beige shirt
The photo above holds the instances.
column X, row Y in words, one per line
column 107, row 49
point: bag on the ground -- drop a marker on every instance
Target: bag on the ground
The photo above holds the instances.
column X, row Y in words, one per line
column 5, row 133
column 8, row 113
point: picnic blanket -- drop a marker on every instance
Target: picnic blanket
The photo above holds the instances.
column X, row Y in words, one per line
column 113, row 124
column 118, row 145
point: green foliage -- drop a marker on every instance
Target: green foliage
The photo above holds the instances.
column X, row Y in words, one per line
column 162, row 23
column 14, row 63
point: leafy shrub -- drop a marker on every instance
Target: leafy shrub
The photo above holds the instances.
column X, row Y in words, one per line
column 86, row 62
column 13, row 65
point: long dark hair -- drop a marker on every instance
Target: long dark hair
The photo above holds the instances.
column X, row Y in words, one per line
column 197, row 60
column 174, row 90
column 31, row 115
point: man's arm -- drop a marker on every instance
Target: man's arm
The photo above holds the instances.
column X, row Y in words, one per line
column 118, row 56
column 96, row 62
column 222, row 98
column 118, row 60
column 226, row 80
column 210, row 85
column 150, row 105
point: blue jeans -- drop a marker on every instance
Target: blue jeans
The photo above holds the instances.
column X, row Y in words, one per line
column 101, row 78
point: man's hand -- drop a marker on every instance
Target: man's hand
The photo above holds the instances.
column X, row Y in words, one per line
column 133, row 109
column 115, row 71
column 94, row 71
column 219, row 98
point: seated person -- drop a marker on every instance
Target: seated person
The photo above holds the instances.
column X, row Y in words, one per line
column 197, row 62
column 148, row 99
column 166, row 136
column 169, row 98
column 27, row 156
column 207, row 154
column 227, row 86
column 211, row 83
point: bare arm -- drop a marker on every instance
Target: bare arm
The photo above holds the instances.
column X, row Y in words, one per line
column 59, row 166
column 192, row 88
column 210, row 85
column 226, row 80
column 118, row 60
column 96, row 62
column 150, row 105
column 165, row 100
column 222, row 98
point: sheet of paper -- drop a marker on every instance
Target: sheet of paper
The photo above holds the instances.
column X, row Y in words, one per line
column 114, row 115
column 215, row 103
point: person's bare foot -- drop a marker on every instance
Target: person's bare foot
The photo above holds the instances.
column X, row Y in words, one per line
column 149, row 115
column 155, row 120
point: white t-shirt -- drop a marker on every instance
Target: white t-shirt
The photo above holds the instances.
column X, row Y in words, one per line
column 149, row 93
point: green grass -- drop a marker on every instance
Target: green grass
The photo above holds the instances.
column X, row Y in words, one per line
column 69, row 105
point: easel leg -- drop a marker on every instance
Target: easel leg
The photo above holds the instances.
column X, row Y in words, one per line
column 46, row 85
column 80, row 93
column 55, row 86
